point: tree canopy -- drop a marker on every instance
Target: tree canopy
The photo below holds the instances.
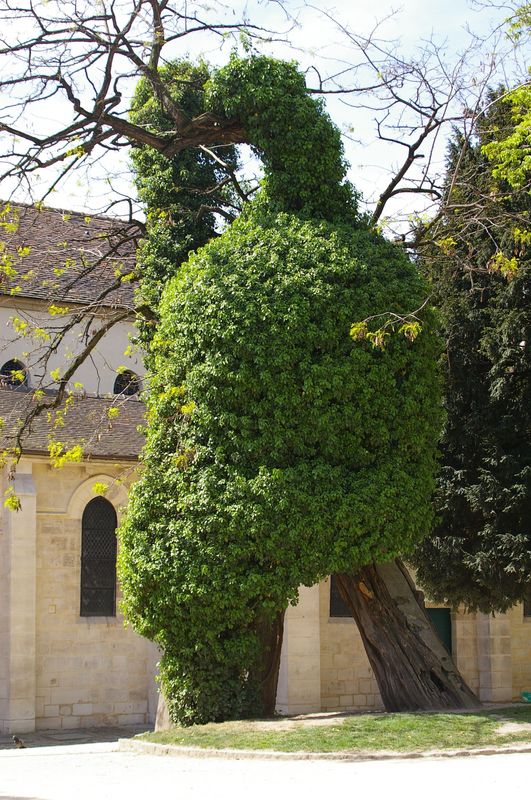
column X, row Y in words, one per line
column 183, row 196
column 279, row 448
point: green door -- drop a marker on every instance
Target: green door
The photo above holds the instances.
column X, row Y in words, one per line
column 442, row 622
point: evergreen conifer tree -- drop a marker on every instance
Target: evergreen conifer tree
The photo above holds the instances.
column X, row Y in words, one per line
column 479, row 268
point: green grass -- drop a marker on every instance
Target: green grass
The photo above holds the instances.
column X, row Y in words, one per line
column 396, row 732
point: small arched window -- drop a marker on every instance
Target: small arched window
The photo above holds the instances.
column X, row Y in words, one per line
column 98, row 559
column 127, row 383
column 14, row 375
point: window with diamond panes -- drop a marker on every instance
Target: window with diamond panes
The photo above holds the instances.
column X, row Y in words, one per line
column 98, row 559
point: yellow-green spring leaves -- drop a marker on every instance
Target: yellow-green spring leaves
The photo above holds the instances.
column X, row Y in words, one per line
column 360, row 332
column 12, row 501
column 508, row 267
column 60, row 454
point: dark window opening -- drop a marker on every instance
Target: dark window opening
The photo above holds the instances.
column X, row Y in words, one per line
column 13, row 375
column 127, row 383
column 338, row 607
column 98, row 559
column 441, row 619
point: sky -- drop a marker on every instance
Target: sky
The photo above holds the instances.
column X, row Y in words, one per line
column 320, row 39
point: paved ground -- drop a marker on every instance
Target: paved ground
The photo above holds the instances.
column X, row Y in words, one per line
column 63, row 738
column 98, row 771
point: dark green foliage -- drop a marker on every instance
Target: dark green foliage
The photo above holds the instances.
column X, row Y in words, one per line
column 480, row 554
column 178, row 192
column 279, row 449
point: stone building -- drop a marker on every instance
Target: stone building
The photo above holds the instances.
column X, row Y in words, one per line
column 66, row 659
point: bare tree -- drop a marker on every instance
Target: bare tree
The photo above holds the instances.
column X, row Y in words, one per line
column 415, row 102
column 69, row 71
column 87, row 58
column 80, row 63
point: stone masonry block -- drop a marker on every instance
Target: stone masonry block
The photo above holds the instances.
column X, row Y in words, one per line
column 81, row 709
column 345, row 700
column 131, row 719
column 71, row 723
column 47, row 723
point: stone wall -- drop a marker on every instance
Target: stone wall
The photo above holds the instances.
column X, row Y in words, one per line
column 465, row 647
column 4, row 615
column 347, row 680
column 520, row 627
column 91, row 670
column 74, row 671
column 493, row 653
column 61, row 670
column 299, row 683
column 18, row 607
column 494, row 658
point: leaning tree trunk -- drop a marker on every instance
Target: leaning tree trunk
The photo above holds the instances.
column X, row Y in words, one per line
column 411, row 665
column 270, row 633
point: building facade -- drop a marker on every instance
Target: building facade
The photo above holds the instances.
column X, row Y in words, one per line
column 66, row 658
column 61, row 667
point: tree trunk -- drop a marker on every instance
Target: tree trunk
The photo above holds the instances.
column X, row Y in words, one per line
column 270, row 634
column 411, row 665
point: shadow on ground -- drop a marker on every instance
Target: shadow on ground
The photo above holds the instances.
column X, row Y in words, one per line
column 60, row 738
column 12, row 797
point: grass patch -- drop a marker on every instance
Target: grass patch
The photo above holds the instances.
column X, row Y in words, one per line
column 396, row 732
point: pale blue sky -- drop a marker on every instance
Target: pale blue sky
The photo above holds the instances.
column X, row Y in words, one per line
column 318, row 40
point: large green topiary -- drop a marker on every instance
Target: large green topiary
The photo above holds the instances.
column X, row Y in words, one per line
column 279, row 449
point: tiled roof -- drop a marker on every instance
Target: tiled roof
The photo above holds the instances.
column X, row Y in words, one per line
column 86, row 423
column 72, row 257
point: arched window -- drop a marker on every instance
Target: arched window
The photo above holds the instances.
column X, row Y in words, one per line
column 98, row 559
column 127, row 383
column 13, row 375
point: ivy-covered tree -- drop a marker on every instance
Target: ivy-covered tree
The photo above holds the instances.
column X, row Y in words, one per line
column 184, row 196
column 279, row 448
column 480, row 553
